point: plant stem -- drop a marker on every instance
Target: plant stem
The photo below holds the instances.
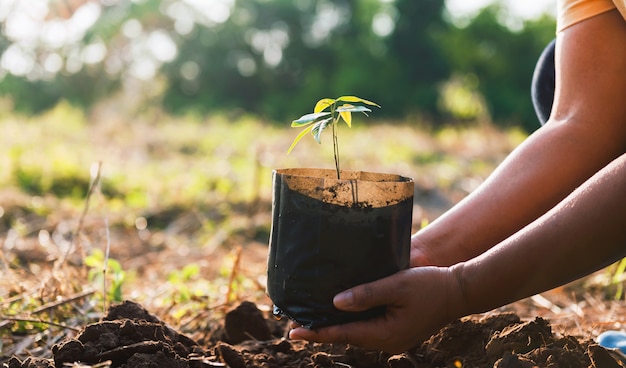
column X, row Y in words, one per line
column 335, row 142
column 336, row 152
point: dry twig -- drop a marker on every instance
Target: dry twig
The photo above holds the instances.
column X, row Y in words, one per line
column 70, row 299
column 94, row 184
column 233, row 275
column 32, row 320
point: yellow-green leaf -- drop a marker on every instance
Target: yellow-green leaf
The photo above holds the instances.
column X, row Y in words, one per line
column 323, row 104
column 357, row 99
column 346, row 115
column 302, row 134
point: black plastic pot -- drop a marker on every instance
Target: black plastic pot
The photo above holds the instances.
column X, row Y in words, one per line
column 329, row 235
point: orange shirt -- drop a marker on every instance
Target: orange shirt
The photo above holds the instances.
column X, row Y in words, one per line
column 570, row 12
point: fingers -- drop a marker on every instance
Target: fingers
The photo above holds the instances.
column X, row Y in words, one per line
column 373, row 334
column 357, row 333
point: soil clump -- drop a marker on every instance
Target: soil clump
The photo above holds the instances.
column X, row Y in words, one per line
column 131, row 337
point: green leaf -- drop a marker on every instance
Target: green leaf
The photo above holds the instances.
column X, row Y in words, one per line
column 357, row 99
column 93, row 261
column 322, row 104
column 190, row 271
column 351, row 108
column 302, row 134
column 308, row 119
column 319, row 128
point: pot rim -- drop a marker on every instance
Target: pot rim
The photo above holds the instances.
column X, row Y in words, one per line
column 346, row 175
column 356, row 188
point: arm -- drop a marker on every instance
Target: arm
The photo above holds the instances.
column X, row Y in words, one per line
column 586, row 131
column 584, row 233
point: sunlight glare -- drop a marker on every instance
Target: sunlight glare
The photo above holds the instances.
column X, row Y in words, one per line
column 462, row 10
column 132, row 28
column 23, row 27
column 94, row 53
column 328, row 17
column 161, row 46
column 83, row 18
column 143, row 68
column 273, row 55
column 190, row 70
column 383, row 24
column 54, row 33
column 246, row 66
column 183, row 17
column 17, row 61
column 73, row 61
column 53, row 63
column 269, row 43
column 214, row 11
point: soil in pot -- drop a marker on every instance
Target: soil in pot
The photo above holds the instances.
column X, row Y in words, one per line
column 329, row 235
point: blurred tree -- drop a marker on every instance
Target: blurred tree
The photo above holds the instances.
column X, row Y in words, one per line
column 417, row 52
column 269, row 57
column 501, row 60
column 274, row 57
column 238, row 64
column 74, row 51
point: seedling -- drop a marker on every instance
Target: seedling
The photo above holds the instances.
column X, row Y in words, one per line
column 328, row 112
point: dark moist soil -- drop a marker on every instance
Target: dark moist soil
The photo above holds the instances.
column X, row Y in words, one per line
column 129, row 336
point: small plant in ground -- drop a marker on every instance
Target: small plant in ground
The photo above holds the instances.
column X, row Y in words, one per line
column 180, row 281
column 112, row 282
column 328, row 112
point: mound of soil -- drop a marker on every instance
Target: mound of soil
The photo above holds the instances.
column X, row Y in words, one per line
column 130, row 337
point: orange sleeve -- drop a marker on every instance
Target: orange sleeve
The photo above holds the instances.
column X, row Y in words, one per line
column 570, row 12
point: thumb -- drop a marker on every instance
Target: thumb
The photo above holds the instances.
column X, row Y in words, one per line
column 364, row 296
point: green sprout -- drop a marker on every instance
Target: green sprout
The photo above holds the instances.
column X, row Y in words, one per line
column 328, row 112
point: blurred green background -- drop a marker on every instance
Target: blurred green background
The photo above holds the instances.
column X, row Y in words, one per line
column 424, row 59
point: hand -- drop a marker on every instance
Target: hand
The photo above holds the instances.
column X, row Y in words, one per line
column 419, row 302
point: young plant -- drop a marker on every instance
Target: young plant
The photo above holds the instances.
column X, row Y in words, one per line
column 328, row 112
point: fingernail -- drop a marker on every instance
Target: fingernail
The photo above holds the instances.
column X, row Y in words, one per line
column 293, row 335
column 297, row 333
column 343, row 299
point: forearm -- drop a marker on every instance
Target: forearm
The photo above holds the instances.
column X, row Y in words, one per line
column 583, row 233
column 534, row 178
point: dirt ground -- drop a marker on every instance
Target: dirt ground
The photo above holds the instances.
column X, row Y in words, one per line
column 554, row 329
column 130, row 336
